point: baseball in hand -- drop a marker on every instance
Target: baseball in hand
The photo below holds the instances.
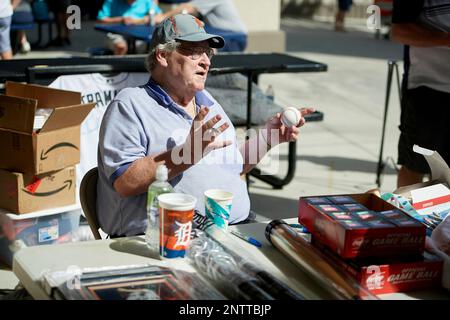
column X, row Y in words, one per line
column 291, row 117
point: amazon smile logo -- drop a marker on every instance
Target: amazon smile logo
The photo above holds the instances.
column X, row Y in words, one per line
column 44, row 155
column 67, row 184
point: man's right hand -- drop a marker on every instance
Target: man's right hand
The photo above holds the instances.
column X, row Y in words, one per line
column 199, row 142
column 202, row 137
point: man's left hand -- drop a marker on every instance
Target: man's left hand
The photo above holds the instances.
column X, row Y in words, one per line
column 285, row 134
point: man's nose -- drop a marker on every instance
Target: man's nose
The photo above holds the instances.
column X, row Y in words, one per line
column 205, row 61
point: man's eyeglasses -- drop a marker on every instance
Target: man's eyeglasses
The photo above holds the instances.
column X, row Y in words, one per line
column 196, row 53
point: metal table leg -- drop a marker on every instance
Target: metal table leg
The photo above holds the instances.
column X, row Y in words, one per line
column 392, row 64
column 274, row 181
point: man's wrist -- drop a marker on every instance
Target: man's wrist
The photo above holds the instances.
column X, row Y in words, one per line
column 263, row 137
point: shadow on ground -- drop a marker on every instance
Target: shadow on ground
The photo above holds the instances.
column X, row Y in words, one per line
column 268, row 207
column 345, row 164
column 81, row 40
column 319, row 37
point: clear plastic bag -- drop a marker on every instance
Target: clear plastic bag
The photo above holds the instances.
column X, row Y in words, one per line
column 40, row 117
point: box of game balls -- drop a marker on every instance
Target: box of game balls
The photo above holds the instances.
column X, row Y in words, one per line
column 391, row 274
column 361, row 225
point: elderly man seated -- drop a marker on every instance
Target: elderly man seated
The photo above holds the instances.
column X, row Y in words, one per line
column 173, row 120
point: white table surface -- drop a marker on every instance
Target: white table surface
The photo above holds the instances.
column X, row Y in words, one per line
column 30, row 263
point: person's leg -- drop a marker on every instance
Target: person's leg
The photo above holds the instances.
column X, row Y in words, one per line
column 343, row 8
column 59, row 9
column 5, row 41
column 339, row 21
column 117, row 44
column 406, row 177
column 424, row 122
column 25, row 46
column 63, row 31
column 120, row 48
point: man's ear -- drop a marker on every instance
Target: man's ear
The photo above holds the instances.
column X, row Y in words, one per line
column 161, row 57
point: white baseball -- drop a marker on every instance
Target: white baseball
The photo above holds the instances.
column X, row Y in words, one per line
column 291, row 117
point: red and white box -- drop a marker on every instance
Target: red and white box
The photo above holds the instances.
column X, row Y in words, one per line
column 391, row 274
column 357, row 237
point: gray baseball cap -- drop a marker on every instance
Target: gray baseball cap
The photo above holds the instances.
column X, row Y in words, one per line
column 184, row 27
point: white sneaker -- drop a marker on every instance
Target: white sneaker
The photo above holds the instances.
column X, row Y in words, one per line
column 25, row 47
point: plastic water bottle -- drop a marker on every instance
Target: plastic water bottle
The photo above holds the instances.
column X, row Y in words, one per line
column 159, row 186
column 152, row 14
column 270, row 93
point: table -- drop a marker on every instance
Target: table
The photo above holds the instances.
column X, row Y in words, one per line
column 30, row 263
column 18, row 69
column 234, row 41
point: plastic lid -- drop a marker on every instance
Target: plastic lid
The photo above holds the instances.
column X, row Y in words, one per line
column 162, row 173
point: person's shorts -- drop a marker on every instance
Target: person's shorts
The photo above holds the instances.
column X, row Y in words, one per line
column 58, row 5
column 5, row 41
column 425, row 121
column 344, row 5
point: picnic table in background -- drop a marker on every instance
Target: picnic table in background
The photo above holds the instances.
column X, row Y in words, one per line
column 234, row 41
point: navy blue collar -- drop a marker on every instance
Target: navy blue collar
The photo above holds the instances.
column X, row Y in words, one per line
column 155, row 91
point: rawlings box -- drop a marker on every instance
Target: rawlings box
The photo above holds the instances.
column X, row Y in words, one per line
column 391, row 274
column 40, row 128
column 361, row 225
column 24, row 193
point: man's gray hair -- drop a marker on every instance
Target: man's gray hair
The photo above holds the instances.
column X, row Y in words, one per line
column 169, row 46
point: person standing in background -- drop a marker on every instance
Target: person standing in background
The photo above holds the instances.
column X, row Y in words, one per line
column 6, row 12
column 423, row 26
column 343, row 7
column 22, row 14
column 59, row 9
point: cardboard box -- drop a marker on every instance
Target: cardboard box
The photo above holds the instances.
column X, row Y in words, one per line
column 422, row 201
column 56, row 145
column 40, row 228
column 368, row 227
column 22, row 193
column 392, row 274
